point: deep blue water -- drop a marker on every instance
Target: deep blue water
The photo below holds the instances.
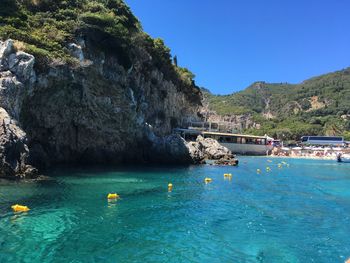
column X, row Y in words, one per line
column 299, row 213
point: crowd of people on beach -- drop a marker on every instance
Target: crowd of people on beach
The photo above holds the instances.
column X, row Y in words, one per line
column 310, row 152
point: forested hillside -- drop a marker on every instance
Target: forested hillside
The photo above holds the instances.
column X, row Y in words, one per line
column 44, row 28
column 320, row 105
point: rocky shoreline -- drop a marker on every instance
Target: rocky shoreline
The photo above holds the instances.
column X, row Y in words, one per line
column 204, row 149
column 95, row 113
column 176, row 149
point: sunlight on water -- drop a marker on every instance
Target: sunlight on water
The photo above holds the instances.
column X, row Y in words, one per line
column 299, row 213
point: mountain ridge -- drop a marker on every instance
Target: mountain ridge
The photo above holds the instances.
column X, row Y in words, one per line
column 318, row 105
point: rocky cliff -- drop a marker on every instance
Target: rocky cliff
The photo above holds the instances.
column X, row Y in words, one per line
column 16, row 77
column 226, row 121
column 94, row 112
column 81, row 82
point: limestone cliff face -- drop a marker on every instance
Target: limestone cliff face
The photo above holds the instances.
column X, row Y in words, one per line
column 96, row 111
column 228, row 122
column 16, row 78
column 231, row 122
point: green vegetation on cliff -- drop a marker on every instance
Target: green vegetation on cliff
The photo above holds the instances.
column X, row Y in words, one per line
column 44, row 28
column 317, row 106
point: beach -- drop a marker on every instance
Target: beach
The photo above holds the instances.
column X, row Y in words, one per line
column 322, row 153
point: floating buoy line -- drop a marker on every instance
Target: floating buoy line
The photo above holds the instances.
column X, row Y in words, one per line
column 115, row 196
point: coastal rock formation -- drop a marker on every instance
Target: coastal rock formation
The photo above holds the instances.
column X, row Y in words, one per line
column 94, row 112
column 14, row 152
column 16, row 71
column 175, row 149
column 171, row 149
column 209, row 149
column 100, row 112
column 212, row 149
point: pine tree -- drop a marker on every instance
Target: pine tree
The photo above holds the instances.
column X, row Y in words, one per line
column 175, row 60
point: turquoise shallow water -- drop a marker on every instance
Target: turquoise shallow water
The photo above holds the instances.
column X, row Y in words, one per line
column 299, row 213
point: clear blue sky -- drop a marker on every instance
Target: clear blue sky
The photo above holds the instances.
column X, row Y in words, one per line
column 229, row 44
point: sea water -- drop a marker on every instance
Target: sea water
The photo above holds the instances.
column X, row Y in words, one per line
column 299, row 213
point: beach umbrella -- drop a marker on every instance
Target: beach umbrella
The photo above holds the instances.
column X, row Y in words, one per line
column 317, row 149
column 285, row 149
column 269, row 138
column 337, row 149
column 296, row 148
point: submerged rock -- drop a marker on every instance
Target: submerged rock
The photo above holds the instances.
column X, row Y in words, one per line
column 224, row 161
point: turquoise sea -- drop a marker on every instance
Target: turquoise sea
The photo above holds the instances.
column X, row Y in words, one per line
column 299, row 213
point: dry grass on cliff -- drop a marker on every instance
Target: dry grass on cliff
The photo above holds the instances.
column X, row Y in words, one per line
column 19, row 45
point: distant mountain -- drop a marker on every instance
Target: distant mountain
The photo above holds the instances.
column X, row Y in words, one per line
column 317, row 106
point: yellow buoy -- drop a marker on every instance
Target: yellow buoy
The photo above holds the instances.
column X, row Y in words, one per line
column 170, row 187
column 269, row 161
column 113, row 196
column 258, row 171
column 228, row 176
column 279, row 165
column 268, row 168
column 208, row 180
column 20, row 208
